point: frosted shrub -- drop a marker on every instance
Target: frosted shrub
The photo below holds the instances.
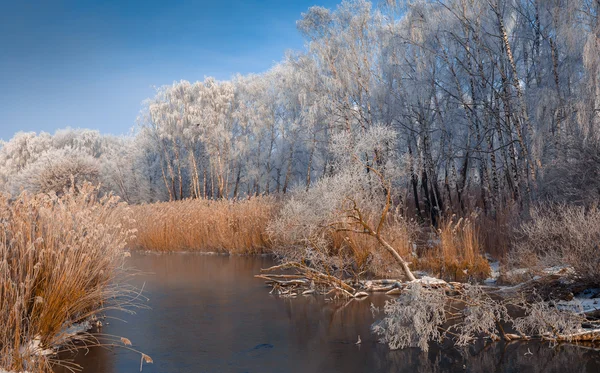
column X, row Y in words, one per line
column 481, row 315
column 354, row 200
column 420, row 314
column 423, row 314
column 544, row 318
column 44, row 163
column 414, row 319
column 301, row 232
column 559, row 235
column 56, row 171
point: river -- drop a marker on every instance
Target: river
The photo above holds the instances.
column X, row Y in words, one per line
column 209, row 314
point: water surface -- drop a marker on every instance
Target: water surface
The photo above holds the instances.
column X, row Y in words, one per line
column 209, row 314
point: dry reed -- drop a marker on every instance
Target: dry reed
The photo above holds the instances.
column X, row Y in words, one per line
column 57, row 260
column 366, row 253
column 241, row 227
column 455, row 252
column 204, row 225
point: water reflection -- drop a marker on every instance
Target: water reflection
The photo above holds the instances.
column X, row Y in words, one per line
column 210, row 315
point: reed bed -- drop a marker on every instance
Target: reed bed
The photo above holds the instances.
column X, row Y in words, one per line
column 58, row 257
column 454, row 252
column 205, row 226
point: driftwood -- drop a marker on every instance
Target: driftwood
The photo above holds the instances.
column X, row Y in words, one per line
column 395, row 291
column 591, row 335
column 311, row 274
column 307, row 281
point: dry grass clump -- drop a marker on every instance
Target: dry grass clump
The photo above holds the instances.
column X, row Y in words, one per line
column 456, row 253
column 204, row 225
column 560, row 235
column 57, row 260
column 365, row 252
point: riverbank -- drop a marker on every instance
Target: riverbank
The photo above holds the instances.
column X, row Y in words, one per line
column 61, row 256
column 455, row 250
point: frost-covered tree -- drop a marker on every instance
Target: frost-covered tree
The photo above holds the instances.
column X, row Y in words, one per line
column 56, row 171
column 356, row 198
column 495, row 103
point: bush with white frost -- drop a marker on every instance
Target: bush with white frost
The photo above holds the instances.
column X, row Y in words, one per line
column 414, row 319
column 423, row 314
column 561, row 235
column 354, row 199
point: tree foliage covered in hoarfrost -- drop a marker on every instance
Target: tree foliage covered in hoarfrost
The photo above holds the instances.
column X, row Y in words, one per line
column 495, row 103
column 49, row 163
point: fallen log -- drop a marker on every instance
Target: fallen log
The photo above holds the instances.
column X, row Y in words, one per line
column 376, row 289
column 361, row 294
column 394, row 291
column 383, row 281
column 312, row 274
column 299, row 281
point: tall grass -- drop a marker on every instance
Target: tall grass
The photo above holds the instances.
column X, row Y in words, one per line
column 241, row 227
column 204, row 225
column 57, row 259
column 455, row 252
column 366, row 252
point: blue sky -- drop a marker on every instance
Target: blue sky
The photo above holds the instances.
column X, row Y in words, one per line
column 90, row 64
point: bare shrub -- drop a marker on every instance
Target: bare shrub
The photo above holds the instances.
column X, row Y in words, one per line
column 497, row 232
column 58, row 257
column 572, row 177
column 205, row 225
column 560, row 235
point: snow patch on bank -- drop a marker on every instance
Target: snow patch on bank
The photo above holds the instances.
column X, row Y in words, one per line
column 585, row 302
column 426, row 280
column 34, row 347
column 494, row 272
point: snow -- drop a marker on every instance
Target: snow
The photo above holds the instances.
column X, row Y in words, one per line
column 559, row 270
column 495, row 272
column 426, row 280
column 34, row 348
column 584, row 302
column 73, row 330
column 579, row 305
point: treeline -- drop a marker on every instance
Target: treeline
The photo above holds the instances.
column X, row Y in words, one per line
column 495, row 104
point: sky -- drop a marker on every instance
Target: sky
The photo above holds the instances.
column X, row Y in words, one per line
column 90, row 64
